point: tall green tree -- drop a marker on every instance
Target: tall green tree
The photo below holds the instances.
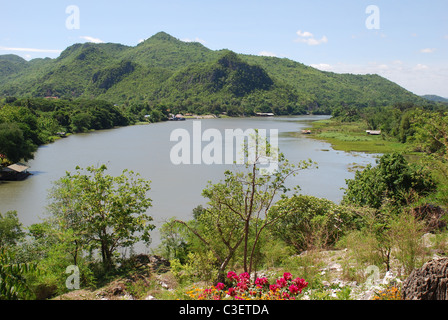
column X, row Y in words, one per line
column 105, row 212
column 238, row 209
column 13, row 144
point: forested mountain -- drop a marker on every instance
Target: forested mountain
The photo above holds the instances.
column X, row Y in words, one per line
column 163, row 70
column 432, row 97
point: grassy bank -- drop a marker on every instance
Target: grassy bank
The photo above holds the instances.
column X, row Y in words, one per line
column 353, row 137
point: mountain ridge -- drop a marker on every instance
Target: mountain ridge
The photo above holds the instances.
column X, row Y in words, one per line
column 189, row 76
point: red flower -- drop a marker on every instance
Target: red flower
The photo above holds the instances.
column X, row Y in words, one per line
column 231, row 292
column 293, row 289
column 242, row 286
column 300, row 283
column 287, row 276
column 285, row 295
column 220, row 286
column 273, row 287
column 261, row 282
column 232, row 275
column 281, row 282
column 244, row 276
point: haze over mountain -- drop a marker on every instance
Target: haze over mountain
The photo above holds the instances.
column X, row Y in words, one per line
column 188, row 76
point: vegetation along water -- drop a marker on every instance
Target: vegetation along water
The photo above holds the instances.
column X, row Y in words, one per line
column 93, row 127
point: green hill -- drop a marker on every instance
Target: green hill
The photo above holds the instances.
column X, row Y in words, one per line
column 163, row 70
column 432, row 97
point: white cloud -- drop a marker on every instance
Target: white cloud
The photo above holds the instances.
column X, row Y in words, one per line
column 194, row 40
column 428, row 50
column 30, row 50
column 418, row 78
column 304, row 34
column 308, row 38
column 421, row 67
column 91, row 39
column 322, row 66
column 267, row 54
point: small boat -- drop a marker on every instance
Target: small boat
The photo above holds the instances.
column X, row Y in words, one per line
column 178, row 117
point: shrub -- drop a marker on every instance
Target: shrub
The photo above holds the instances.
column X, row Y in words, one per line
column 242, row 288
column 309, row 222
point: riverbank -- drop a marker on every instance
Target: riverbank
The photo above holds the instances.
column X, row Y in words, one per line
column 352, row 137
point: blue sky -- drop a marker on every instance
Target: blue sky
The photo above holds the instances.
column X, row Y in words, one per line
column 409, row 44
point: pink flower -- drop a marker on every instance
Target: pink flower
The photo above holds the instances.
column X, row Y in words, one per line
column 293, row 289
column 261, row 282
column 287, row 276
column 281, row 282
column 273, row 287
column 285, row 295
column 232, row 275
column 244, row 276
column 242, row 286
column 300, row 283
column 220, row 286
column 231, row 292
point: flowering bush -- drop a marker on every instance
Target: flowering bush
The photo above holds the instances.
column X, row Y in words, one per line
column 284, row 288
column 390, row 293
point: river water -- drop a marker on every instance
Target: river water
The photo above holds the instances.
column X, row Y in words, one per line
column 175, row 189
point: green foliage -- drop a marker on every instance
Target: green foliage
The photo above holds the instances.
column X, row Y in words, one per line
column 10, row 229
column 104, row 212
column 308, row 222
column 13, row 285
column 13, row 143
column 54, row 249
column 406, row 233
column 393, row 178
column 188, row 76
column 238, row 210
column 28, row 123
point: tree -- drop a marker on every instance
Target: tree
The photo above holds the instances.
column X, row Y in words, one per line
column 238, row 209
column 10, row 229
column 105, row 212
column 432, row 133
column 81, row 122
column 393, row 178
column 13, row 143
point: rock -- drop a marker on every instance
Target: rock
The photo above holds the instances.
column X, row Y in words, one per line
column 153, row 262
column 159, row 264
column 430, row 282
column 335, row 267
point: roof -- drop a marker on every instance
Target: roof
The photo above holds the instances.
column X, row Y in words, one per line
column 18, row 167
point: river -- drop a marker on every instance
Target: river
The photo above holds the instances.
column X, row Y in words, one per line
column 175, row 189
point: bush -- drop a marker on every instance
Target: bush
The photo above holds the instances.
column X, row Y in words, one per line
column 242, row 288
column 393, row 178
column 310, row 222
column 406, row 233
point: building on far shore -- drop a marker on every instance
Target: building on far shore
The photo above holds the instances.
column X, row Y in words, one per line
column 14, row 172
